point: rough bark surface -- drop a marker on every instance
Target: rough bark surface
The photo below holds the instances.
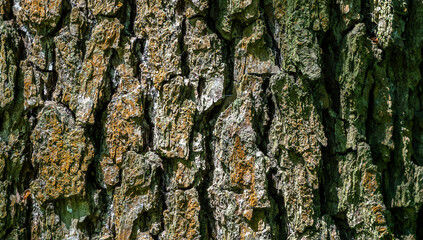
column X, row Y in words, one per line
column 211, row 119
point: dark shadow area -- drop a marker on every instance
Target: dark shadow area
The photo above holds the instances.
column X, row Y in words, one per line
column 419, row 231
column 403, row 219
column 345, row 232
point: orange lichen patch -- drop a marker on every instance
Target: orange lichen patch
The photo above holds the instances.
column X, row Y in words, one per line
column 193, row 209
column 162, row 27
column 197, row 43
column 183, row 176
column 384, row 233
column 174, row 120
column 163, row 55
column 377, row 210
column 369, row 181
column 105, row 7
column 375, row 40
column 4, row 6
column 242, row 168
column 182, row 219
column 381, row 222
column 242, row 174
column 246, row 232
column 252, row 200
column 380, row 219
column 26, row 194
column 108, row 34
column 312, row 159
column 41, row 13
column 123, row 129
column 123, row 126
column 248, row 214
column 8, row 64
column 62, row 153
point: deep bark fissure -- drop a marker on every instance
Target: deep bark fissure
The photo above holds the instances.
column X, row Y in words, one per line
column 346, row 233
column 419, row 232
column 281, row 218
column 270, row 33
column 183, row 48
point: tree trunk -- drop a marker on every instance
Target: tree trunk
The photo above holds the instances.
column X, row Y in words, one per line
column 211, row 119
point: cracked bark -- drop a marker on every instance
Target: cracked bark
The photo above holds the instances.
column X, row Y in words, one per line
column 250, row 119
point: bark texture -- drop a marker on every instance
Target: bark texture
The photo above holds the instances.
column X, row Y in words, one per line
column 211, row 119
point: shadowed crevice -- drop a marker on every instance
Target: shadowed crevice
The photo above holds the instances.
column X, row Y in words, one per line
column 278, row 216
column 419, row 225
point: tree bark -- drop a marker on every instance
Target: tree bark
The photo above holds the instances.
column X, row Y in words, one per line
column 211, row 119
